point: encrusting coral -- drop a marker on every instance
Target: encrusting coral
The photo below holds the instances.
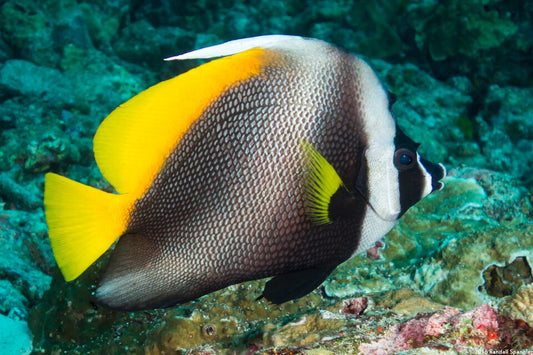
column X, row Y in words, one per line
column 520, row 305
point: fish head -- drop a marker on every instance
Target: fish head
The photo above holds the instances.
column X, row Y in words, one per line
column 393, row 176
column 417, row 177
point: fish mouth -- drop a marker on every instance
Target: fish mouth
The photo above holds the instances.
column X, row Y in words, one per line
column 437, row 172
column 436, row 176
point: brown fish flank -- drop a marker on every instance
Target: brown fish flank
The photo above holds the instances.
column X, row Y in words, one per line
column 228, row 205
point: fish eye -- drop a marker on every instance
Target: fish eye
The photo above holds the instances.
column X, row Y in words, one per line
column 404, row 159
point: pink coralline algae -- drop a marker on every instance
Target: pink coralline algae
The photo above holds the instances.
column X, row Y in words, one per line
column 412, row 334
column 485, row 320
column 373, row 253
column 448, row 328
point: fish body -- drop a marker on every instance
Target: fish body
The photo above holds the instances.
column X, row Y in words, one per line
column 280, row 159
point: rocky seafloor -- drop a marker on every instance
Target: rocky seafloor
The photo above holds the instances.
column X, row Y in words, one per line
column 453, row 276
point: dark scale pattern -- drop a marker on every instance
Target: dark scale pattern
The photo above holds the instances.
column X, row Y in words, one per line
column 228, row 204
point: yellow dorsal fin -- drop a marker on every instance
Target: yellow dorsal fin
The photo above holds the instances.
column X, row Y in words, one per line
column 322, row 181
column 82, row 221
column 133, row 142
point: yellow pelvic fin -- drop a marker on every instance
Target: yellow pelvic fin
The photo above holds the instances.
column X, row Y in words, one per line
column 322, row 181
column 82, row 221
column 133, row 142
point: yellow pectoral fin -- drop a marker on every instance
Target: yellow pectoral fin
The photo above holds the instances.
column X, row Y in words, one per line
column 133, row 142
column 322, row 181
column 82, row 221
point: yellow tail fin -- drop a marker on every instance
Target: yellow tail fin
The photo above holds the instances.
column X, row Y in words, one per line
column 82, row 221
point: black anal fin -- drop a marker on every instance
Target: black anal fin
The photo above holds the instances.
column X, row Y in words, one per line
column 286, row 287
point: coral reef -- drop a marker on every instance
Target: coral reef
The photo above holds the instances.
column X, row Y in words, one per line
column 504, row 280
column 440, row 27
column 16, row 338
column 65, row 64
column 433, row 273
column 25, row 259
column 520, row 305
column 450, row 329
column 230, row 318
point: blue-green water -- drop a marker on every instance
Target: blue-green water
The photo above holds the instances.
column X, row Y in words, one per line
column 463, row 75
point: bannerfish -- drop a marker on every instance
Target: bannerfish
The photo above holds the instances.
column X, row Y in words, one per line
column 280, row 158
